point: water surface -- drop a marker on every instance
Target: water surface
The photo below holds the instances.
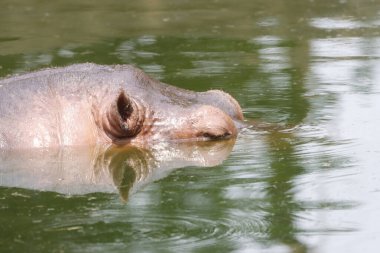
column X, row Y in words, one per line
column 311, row 66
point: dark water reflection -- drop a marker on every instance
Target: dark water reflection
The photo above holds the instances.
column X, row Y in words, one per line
column 309, row 65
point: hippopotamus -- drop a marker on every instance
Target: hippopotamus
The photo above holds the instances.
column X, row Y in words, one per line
column 85, row 104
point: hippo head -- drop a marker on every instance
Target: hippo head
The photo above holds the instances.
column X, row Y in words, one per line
column 148, row 110
column 86, row 104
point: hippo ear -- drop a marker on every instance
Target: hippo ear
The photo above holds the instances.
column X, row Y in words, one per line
column 125, row 117
column 124, row 106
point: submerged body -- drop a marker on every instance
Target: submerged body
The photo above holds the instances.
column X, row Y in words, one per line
column 86, row 104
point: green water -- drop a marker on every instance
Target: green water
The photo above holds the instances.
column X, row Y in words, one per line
column 310, row 65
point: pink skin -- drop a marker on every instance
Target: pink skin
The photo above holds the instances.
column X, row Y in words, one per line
column 86, row 104
column 203, row 122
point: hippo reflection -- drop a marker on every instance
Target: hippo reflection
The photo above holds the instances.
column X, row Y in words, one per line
column 81, row 170
column 85, row 104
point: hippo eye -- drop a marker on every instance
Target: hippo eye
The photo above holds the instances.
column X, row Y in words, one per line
column 124, row 118
column 216, row 135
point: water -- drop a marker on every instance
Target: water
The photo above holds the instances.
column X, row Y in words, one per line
column 311, row 66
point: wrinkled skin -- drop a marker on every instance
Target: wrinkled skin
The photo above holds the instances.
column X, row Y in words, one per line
column 86, row 104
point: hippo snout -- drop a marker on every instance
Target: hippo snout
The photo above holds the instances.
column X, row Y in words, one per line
column 212, row 123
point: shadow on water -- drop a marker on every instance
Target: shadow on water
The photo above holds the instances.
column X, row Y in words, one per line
column 283, row 207
column 285, row 164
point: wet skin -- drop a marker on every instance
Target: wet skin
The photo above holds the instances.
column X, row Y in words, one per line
column 85, row 104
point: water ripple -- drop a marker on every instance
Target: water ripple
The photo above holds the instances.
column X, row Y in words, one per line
column 189, row 228
column 195, row 228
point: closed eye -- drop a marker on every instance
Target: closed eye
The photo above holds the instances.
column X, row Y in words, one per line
column 216, row 136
